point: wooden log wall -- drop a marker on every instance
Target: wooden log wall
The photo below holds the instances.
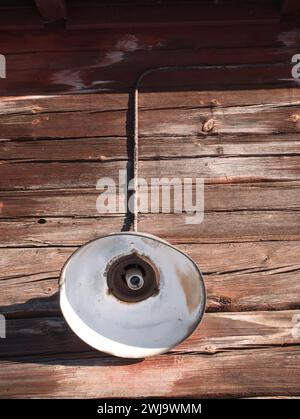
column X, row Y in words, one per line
column 65, row 122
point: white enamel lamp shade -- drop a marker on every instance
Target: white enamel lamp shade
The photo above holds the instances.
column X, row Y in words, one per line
column 131, row 329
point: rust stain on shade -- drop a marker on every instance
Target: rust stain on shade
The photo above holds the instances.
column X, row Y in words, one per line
column 153, row 243
column 174, row 313
column 192, row 290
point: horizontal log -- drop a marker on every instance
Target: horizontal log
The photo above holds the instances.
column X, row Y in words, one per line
column 221, row 144
column 64, row 124
column 71, row 175
column 213, row 258
column 216, row 227
column 141, row 15
column 47, row 180
column 283, row 196
column 85, row 149
column 243, row 373
column 250, row 120
column 256, row 119
column 218, row 332
column 116, row 148
column 257, row 290
column 144, row 59
column 103, row 102
column 212, row 98
column 116, row 74
column 41, row 104
column 238, row 277
column 178, row 15
column 49, row 61
column 132, row 39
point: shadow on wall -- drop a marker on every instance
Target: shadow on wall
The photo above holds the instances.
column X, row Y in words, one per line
column 31, row 337
column 48, row 340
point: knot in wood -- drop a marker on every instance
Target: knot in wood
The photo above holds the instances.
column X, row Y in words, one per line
column 208, row 125
column 295, row 118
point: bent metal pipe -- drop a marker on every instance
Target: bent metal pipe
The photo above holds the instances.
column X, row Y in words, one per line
column 134, row 189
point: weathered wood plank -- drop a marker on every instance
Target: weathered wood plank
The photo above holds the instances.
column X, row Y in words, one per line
column 115, row 76
column 56, row 175
column 256, row 119
column 215, row 98
column 218, row 332
column 104, row 55
column 64, row 124
column 262, row 290
column 214, row 258
column 132, row 39
column 40, row 104
column 145, row 15
column 143, row 59
column 267, row 75
column 222, row 144
column 109, row 15
column 149, row 101
column 234, row 373
column 252, row 119
column 238, row 277
column 283, row 196
column 116, row 148
column 85, row 149
column 70, row 175
column 216, row 227
column 263, row 298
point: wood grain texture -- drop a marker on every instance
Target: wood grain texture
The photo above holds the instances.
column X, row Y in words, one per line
column 98, row 61
column 219, row 332
column 181, row 121
column 156, row 148
column 238, row 277
column 214, row 259
column 144, row 15
column 112, row 56
column 234, row 373
column 41, row 104
column 137, row 15
column 216, row 227
column 258, row 196
column 70, row 175
column 115, row 71
column 281, row 34
column 58, row 137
